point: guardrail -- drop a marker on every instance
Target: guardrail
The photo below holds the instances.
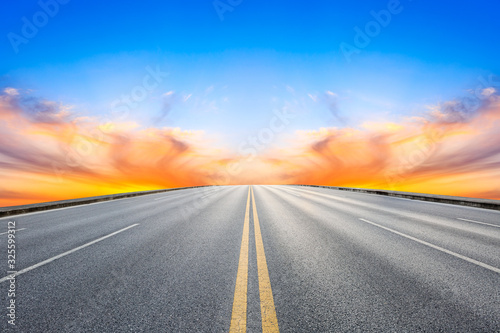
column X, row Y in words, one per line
column 462, row 201
column 15, row 210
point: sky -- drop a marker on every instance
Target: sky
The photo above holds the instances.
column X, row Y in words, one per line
column 108, row 97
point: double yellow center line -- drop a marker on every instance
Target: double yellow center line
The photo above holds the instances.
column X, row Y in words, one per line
column 268, row 312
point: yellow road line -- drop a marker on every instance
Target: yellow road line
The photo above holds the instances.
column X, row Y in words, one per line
column 239, row 315
column 268, row 312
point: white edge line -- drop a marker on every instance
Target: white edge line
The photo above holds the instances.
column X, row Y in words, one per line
column 3, row 233
column 473, row 261
column 22, row 271
column 491, row 225
column 395, row 197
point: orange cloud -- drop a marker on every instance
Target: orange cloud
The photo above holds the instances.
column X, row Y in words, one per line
column 47, row 153
column 454, row 149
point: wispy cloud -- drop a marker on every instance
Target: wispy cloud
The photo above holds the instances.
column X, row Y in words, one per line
column 168, row 100
column 331, row 100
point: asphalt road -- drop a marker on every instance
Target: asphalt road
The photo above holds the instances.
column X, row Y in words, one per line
column 221, row 259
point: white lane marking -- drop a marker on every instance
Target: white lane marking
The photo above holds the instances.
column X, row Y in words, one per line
column 398, row 198
column 3, row 233
column 374, row 206
column 473, row 261
column 45, row 262
column 491, row 225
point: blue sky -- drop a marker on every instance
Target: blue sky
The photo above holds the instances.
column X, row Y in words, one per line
column 263, row 56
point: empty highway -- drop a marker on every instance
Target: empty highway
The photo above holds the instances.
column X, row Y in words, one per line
column 255, row 259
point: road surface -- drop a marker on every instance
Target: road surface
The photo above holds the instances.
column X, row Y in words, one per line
column 260, row 258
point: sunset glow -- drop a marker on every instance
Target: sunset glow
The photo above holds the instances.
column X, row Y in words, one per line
column 185, row 94
column 48, row 147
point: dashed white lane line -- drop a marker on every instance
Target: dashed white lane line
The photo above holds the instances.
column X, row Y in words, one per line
column 45, row 262
column 491, row 225
column 473, row 261
column 3, row 233
column 462, row 219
